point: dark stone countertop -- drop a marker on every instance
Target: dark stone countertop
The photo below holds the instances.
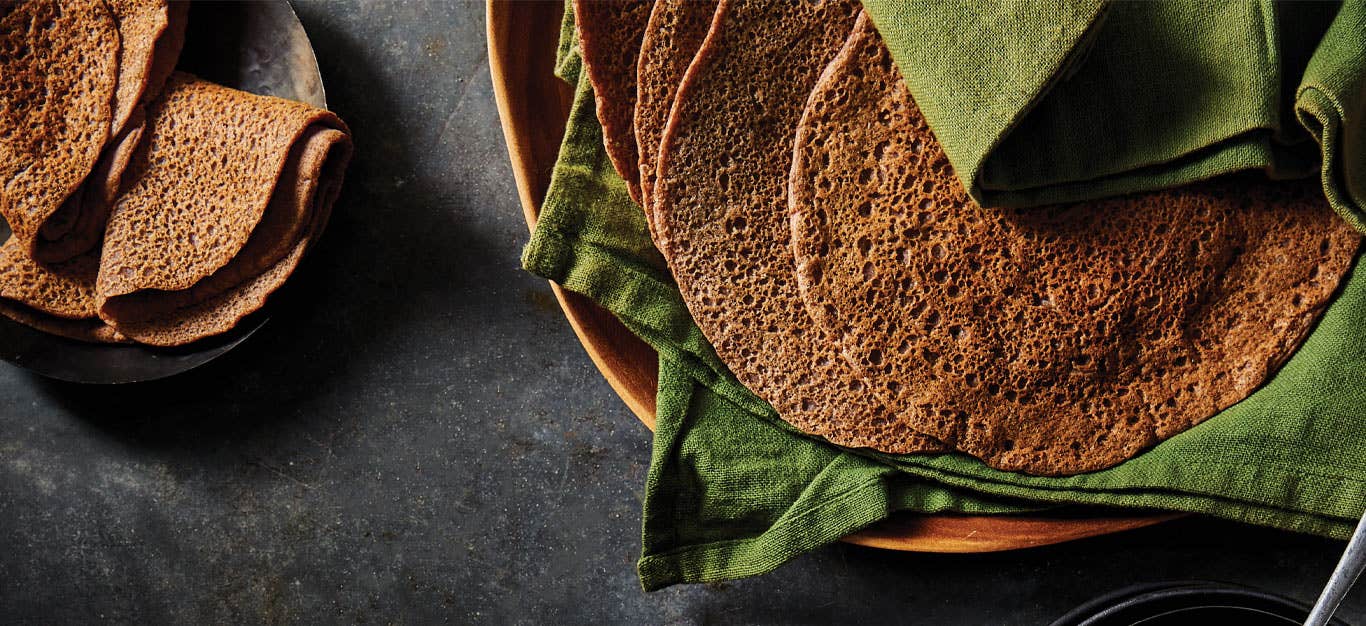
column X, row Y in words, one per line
column 418, row 437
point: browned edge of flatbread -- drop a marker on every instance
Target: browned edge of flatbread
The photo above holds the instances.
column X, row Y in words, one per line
column 672, row 36
column 721, row 196
column 57, row 299
column 88, row 330
column 166, row 53
column 609, row 37
column 141, row 32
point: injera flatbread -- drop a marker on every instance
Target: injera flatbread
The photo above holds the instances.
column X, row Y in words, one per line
column 1051, row 340
column 326, row 155
column 58, row 71
column 222, row 200
column 65, row 290
column 722, row 204
column 609, row 36
column 57, row 299
column 672, row 37
column 91, row 330
column 78, row 226
column 151, row 33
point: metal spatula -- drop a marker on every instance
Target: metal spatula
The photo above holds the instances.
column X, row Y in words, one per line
column 1348, row 569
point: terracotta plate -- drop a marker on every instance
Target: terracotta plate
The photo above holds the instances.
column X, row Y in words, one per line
column 534, row 105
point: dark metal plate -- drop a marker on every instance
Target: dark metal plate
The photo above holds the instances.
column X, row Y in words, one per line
column 255, row 46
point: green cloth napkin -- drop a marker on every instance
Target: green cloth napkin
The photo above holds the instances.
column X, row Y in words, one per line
column 1042, row 102
column 734, row 491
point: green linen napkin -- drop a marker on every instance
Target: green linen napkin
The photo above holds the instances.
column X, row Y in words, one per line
column 1042, row 102
column 734, row 491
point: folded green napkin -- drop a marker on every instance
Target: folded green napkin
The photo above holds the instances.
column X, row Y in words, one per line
column 1040, row 102
column 734, row 491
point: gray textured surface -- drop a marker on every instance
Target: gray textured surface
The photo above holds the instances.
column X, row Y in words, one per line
column 418, row 437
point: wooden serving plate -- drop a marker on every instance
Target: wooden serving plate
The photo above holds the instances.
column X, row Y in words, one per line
column 533, row 106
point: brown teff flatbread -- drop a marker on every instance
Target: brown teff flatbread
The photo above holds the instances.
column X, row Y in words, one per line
column 65, row 290
column 57, row 299
column 58, row 71
column 223, row 198
column 216, row 314
column 672, row 36
column 78, row 226
column 151, row 33
column 92, row 330
column 722, row 210
column 609, row 35
column 1051, row 340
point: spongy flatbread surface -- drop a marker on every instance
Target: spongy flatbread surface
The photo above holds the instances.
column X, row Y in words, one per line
column 57, row 299
column 307, row 191
column 198, row 185
column 298, row 211
column 58, row 68
column 151, row 33
column 722, row 203
column 78, row 226
column 672, row 36
column 1052, row 340
column 65, row 290
column 610, row 32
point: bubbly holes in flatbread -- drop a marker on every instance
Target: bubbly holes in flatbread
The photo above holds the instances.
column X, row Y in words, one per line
column 921, row 256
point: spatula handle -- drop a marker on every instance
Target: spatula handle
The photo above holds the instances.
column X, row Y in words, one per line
column 1348, row 569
